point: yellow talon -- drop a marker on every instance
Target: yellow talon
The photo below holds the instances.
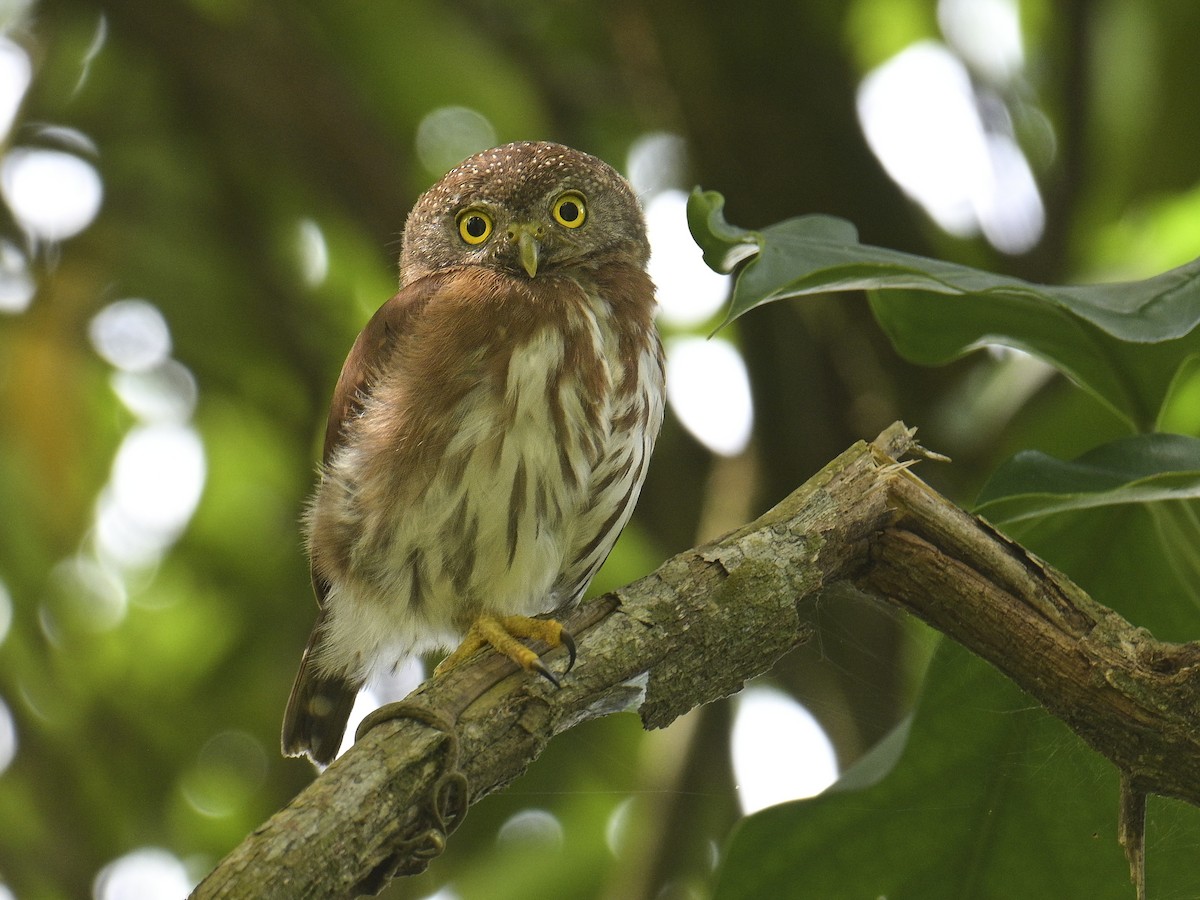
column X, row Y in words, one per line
column 502, row 633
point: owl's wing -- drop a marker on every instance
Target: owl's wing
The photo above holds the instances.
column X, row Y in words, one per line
column 388, row 326
column 320, row 704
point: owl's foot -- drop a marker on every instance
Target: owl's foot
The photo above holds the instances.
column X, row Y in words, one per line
column 502, row 633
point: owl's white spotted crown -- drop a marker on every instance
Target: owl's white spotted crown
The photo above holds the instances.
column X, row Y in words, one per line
column 518, row 182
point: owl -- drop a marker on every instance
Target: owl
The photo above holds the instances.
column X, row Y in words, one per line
column 489, row 433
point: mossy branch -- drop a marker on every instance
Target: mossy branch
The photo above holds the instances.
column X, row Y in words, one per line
column 700, row 626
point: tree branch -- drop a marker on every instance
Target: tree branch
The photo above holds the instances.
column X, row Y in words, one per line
column 695, row 630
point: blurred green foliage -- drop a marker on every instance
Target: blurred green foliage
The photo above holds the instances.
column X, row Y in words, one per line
column 146, row 701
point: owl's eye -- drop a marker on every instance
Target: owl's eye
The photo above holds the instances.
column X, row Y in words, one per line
column 474, row 226
column 570, row 210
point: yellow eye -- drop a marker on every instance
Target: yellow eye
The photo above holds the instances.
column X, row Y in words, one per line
column 570, row 210
column 474, row 226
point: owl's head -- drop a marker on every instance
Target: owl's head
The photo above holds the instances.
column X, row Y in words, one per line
column 527, row 209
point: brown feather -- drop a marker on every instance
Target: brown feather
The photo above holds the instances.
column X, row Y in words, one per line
column 317, row 708
column 367, row 359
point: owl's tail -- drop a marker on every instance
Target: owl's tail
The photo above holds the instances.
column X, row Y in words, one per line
column 318, row 707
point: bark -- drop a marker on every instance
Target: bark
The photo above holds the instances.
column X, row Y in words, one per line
column 697, row 629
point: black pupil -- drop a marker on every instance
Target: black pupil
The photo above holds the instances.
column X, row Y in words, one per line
column 569, row 211
column 476, row 226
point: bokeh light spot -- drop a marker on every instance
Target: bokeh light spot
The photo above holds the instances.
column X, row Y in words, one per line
column 229, row 769
column 15, row 74
column 688, row 291
column 131, row 334
column 8, row 737
column 618, row 827
column 780, row 753
column 158, row 477
column 85, row 596
column 158, row 474
column 53, row 195
column 17, row 286
column 313, row 253
column 449, row 134
column 67, row 138
column 532, row 827
column 148, row 873
column 709, row 390
column 920, row 116
column 6, row 611
column 987, row 33
column 656, row 162
column 166, row 393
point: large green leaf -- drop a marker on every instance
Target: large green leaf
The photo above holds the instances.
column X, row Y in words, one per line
column 1144, row 468
column 1132, row 378
column 992, row 797
column 1123, row 342
column 1122, row 519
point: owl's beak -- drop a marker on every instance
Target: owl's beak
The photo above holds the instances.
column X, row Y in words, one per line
column 526, row 238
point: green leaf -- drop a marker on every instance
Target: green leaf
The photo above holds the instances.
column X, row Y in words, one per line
column 1123, row 342
column 1143, row 468
column 1132, row 379
column 1122, row 520
column 1177, row 527
column 724, row 245
column 992, row 797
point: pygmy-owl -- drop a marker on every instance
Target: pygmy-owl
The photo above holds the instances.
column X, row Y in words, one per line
column 490, row 430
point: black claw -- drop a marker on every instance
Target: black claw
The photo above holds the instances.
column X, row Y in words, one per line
column 569, row 643
column 540, row 668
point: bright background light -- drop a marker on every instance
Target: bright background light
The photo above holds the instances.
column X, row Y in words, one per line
column 54, row 192
column 157, row 479
column 920, row 113
column 532, row 827
column 15, row 74
column 160, row 467
column 313, row 253
column 6, row 611
column 8, row 737
column 449, row 134
column 383, row 687
column 131, row 335
column 709, row 389
column 780, row 753
column 165, row 393
column 53, row 195
column 689, row 292
column 229, row 769
column 17, row 286
column 987, row 33
column 148, row 873
column 656, row 163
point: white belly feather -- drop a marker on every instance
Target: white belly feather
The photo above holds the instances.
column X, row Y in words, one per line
column 496, row 538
